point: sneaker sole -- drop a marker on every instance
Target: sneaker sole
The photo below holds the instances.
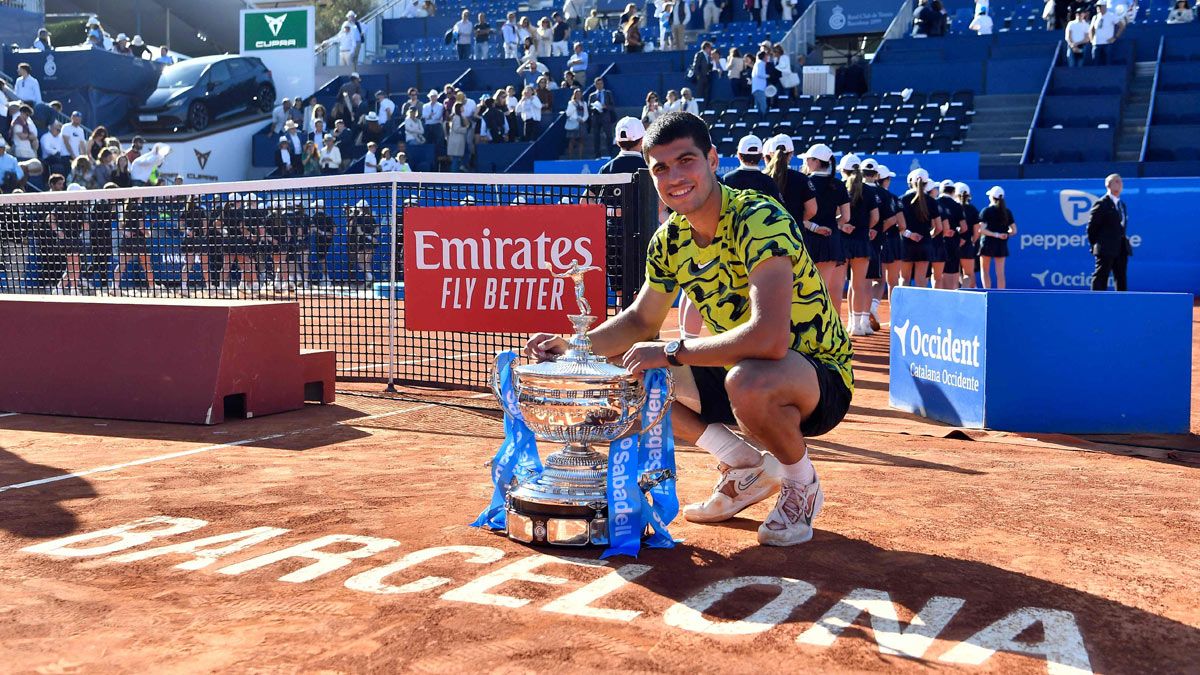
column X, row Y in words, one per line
column 720, row 518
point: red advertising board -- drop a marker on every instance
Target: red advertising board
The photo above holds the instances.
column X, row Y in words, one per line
column 483, row 268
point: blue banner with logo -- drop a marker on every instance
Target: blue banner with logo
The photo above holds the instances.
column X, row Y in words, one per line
column 517, row 457
column 959, row 166
column 939, row 354
column 653, row 450
column 1051, row 248
column 854, row 17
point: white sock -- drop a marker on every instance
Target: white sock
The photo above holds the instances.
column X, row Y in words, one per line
column 801, row 472
column 874, row 306
column 686, row 334
column 726, row 446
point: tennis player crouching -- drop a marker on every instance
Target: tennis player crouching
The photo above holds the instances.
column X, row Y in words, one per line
column 778, row 362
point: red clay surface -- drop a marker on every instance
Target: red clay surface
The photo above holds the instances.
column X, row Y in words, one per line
column 1081, row 553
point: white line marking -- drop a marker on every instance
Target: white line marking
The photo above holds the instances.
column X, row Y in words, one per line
column 8, row 414
column 383, row 366
column 209, row 448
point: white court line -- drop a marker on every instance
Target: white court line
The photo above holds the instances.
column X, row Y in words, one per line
column 196, row 451
column 8, row 414
column 383, row 366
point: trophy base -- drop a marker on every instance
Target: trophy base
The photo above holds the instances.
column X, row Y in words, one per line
column 556, row 524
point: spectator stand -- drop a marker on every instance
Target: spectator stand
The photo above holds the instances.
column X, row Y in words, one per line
column 551, row 142
column 1172, row 143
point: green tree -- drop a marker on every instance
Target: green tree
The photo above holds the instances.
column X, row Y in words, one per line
column 331, row 14
column 66, row 33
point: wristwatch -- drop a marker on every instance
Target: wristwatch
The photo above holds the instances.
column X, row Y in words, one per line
column 672, row 351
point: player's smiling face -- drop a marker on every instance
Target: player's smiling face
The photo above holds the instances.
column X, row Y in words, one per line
column 683, row 176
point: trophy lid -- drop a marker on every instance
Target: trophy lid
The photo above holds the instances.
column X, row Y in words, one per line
column 589, row 369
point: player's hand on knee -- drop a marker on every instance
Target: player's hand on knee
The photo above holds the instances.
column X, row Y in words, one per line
column 545, row 346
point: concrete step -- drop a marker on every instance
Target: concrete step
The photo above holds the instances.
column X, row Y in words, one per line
column 1131, row 156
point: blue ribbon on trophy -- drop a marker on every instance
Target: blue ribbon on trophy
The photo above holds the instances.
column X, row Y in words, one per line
column 517, row 456
column 650, row 455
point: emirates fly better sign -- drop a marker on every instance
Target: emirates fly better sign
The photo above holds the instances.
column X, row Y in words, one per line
column 483, row 268
column 275, row 30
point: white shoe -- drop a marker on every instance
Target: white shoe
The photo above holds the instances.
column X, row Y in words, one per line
column 855, row 326
column 736, row 490
column 864, row 323
column 790, row 522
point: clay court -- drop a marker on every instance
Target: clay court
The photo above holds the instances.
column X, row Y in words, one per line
column 937, row 548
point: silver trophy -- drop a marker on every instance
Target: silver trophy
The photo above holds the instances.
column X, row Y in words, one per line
column 577, row 399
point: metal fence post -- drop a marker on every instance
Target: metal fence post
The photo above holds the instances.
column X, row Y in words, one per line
column 391, row 385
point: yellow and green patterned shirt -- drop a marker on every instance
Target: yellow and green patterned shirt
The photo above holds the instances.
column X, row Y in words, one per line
column 716, row 277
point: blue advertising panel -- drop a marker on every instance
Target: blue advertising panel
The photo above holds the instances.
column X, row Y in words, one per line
column 939, row 355
column 854, row 17
column 1051, row 248
column 962, row 166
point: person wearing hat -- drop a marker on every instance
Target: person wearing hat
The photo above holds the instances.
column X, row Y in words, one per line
column 822, row 233
column 359, row 34
column 937, row 252
column 629, row 133
column 889, row 247
column 385, row 108
column 921, row 219
column 347, row 43
column 42, row 42
column 982, row 23
column 857, row 233
column 748, row 175
column 997, row 226
column 968, row 252
column 121, row 45
column 138, row 47
column 95, row 34
column 778, row 363
column 331, row 156
column 285, row 161
column 956, row 233
column 433, row 117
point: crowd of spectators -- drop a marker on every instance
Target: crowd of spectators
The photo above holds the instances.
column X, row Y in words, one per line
column 97, row 38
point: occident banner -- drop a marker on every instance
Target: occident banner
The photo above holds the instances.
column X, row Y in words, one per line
column 484, row 269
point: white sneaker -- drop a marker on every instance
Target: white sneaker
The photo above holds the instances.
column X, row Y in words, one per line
column 736, row 490
column 864, row 323
column 790, row 522
column 855, row 326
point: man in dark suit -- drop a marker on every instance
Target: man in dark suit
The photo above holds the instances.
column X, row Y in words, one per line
column 603, row 115
column 702, row 68
column 1106, row 232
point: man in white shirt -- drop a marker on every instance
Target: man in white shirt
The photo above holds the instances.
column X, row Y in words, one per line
column 280, row 115
column 465, row 30
column 508, row 31
column 26, row 86
column 346, row 43
column 55, row 155
column 385, row 108
column 573, row 12
column 982, row 23
column 75, row 135
column 578, row 63
column 433, row 114
column 1078, row 36
column 1106, row 28
column 143, row 167
column 331, row 156
column 42, row 43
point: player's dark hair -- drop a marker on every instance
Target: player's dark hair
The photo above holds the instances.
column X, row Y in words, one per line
column 918, row 200
column 964, row 197
column 777, row 168
column 628, row 145
column 854, row 185
column 674, row 126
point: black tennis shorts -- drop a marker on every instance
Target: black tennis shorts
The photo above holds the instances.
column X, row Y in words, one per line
column 715, row 407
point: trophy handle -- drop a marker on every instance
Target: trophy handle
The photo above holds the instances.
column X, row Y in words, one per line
column 668, row 402
column 494, row 379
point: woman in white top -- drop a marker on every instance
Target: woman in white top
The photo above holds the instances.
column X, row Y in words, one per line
column 331, row 157
column 318, row 113
column 386, row 163
column 651, row 111
column 577, row 116
column 529, row 110
column 672, row 104
column 787, row 77
column 1181, row 13
column 689, row 103
column 414, row 127
column 545, row 38
column 456, row 141
column 982, row 24
column 734, row 64
column 525, row 30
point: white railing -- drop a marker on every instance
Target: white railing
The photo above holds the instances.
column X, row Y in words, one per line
column 901, row 25
column 802, row 38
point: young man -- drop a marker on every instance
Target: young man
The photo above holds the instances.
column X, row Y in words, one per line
column 629, row 133
column 778, row 362
column 748, row 176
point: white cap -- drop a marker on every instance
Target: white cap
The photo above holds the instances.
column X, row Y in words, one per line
column 467, row 200
column 820, row 151
column 629, row 129
column 947, row 184
column 869, row 164
column 962, row 188
column 354, row 76
column 750, row 145
column 283, row 139
column 318, row 204
column 849, row 162
column 75, row 187
column 372, row 117
column 996, row 192
column 362, row 203
column 780, row 142
column 520, row 199
column 931, row 185
column 885, row 172
column 161, row 148
column 350, row 14
column 93, row 21
column 138, row 41
column 122, row 36
column 916, row 174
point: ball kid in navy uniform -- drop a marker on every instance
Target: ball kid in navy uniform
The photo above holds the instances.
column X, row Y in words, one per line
column 937, row 252
column 883, row 251
column 956, row 231
column 628, row 137
column 856, row 242
column 997, row 226
column 822, row 236
column 968, row 252
column 921, row 219
column 747, row 176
